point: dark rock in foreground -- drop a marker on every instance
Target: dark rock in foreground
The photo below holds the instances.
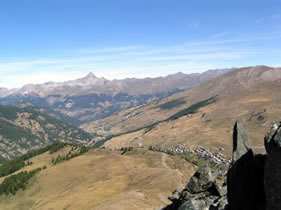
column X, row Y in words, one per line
column 272, row 173
column 245, row 188
column 241, row 142
column 253, row 181
column 202, row 192
column 201, row 181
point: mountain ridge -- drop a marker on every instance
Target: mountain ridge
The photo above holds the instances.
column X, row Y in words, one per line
column 237, row 80
column 91, row 79
column 256, row 104
column 91, row 98
column 25, row 129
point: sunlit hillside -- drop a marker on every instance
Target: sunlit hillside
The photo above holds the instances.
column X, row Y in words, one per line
column 101, row 179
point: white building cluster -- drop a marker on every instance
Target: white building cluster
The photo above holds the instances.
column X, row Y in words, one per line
column 217, row 157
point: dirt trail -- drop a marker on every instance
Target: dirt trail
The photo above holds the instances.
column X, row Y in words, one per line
column 164, row 158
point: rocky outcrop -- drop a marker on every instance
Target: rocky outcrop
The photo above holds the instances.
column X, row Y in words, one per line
column 272, row 173
column 253, row 180
column 241, row 142
column 202, row 192
column 245, row 189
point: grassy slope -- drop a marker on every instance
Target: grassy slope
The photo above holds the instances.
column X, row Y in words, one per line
column 239, row 80
column 214, row 128
column 135, row 118
column 102, row 179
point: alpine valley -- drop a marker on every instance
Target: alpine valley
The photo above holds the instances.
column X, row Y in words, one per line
column 94, row 143
column 91, row 98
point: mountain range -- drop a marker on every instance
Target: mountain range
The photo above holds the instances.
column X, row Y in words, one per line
column 143, row 116
column 91, row 98
column 251, row 95
column 236, row 81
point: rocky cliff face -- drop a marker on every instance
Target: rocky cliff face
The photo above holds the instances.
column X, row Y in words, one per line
column 245, row 189
column 253, row 180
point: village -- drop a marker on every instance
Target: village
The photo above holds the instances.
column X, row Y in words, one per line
column 217, row 157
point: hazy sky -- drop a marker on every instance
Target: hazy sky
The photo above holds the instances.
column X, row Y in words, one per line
column 57, row 40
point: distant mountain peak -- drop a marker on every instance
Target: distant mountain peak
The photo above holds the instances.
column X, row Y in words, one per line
column 90, row 75
column 89, row 79
column 179, row 73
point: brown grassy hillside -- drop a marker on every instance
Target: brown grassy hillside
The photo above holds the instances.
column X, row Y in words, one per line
column 257, row 107
column 102, row 179
column 231, row 83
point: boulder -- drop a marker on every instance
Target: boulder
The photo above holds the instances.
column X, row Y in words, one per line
column 193, row 205
column 272, row 174
column 201, row 181
column 201, row 192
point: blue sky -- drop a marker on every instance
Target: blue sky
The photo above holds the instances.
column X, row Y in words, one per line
column 58, row 40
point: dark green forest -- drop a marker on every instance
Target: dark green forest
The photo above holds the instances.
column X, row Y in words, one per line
column 193, row 108
column 172, row 104
column 15, row 182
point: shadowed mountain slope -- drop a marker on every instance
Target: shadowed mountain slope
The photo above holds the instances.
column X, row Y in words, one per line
column 24, row 129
